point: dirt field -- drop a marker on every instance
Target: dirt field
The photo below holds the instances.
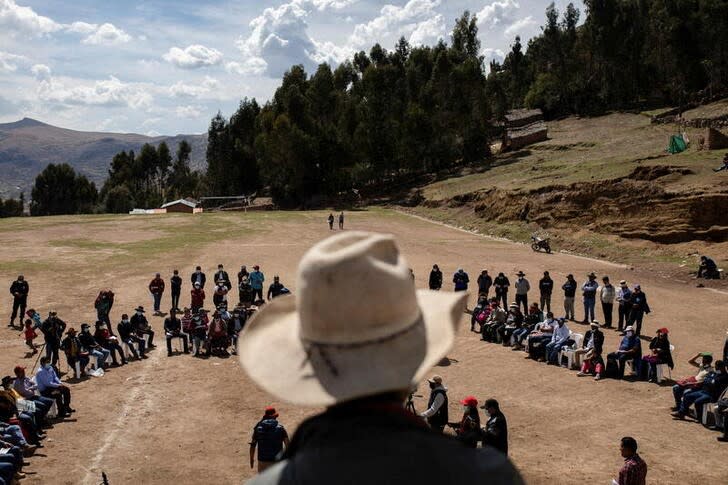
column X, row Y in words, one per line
column 186, row 420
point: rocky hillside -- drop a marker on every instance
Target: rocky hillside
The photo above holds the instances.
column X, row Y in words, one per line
column 27, row 146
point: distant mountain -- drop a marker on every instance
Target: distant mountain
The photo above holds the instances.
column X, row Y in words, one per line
column 28, row 146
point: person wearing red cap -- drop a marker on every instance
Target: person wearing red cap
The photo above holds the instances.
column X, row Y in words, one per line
column 470, row 413
column 659, row 354
column 270, row 437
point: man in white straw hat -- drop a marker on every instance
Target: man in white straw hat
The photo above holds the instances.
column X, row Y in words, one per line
column 360, row 357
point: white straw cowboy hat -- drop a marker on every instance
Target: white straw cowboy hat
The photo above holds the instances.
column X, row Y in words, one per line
column 356, row 326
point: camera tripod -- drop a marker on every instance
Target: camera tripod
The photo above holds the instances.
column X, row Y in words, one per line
column 410, row 405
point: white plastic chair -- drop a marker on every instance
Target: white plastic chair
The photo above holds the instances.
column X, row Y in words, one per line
column 711, row 408
column 661, row 367
column 569, row 352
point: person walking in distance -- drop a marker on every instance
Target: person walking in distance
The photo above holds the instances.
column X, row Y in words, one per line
column 501, row 284
column 360, row 362
column 607, row 293
column 623, row 296
column 256, row 283
column 331, row 222
column 484, row 283
column 436, row 413
column 435, row 282
column 19, row 289
column 634, row 470
column 522, row 287
column 546, row 287
column 175, row 283
column 589, row 294
column 156, row 288
column 270, row 438
column 198, row 277
column 341, row 221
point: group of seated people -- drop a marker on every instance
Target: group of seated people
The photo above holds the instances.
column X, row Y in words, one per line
column 25, row 411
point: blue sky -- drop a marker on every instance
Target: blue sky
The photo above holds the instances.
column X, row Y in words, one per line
column 166, row 67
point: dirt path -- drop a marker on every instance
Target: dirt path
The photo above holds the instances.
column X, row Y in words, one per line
column 188, row 420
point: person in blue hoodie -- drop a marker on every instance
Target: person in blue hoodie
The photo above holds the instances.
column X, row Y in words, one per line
column 270, row 437
column 256, row 279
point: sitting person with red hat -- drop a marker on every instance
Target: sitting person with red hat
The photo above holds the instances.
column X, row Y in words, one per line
column 270, row 437
column 470, row 421
column 659, row 354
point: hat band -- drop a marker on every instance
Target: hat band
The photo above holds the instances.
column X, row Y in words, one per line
column 323, row 347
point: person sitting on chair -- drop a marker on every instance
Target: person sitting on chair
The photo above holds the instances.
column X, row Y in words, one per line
column 693, row 382
column 709, row 391
column 559, row 339
column 630, row 349
column 540, row 336
column 591, row 346
column 173, row 329
column 659, row 354
column 75, row 352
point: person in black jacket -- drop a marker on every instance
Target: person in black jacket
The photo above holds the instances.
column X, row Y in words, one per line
column 496, row 428
column 173, row 329
column 175, row 283
column 546, row 287
column 659, row 354
column 484, row 283
column 141, row 326
column 501, row 285
column 569, row 291
column 19, row 289
column 198, row 277
column 592, row 345
column 435, row 278
column 221, row 274
column 127, row 334
column 53, row 328
column 638, row 308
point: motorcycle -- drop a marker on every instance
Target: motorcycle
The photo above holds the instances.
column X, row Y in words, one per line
column 538, row 244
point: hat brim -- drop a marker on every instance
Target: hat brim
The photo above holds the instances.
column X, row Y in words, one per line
column 273, row 355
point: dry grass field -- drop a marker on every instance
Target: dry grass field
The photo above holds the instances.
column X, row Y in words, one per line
column 186, row 420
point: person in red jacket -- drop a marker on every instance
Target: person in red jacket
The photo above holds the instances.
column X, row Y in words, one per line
column 197, row 297
column 156, row 288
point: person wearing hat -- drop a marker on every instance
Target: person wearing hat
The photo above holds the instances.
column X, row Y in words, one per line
column 141, row 326
column 198, row 277
column 274, row 290
column 623, row 296
column 484, row 284
column 110, row 342
column 638, row 307
column 270, row 438
column 75, row 352
column 53, row 328
column 359, row 357
column 435, row 282
column 546, row 287
column 156, row 288
column 197, row 297
column 708, row 391
column 659, row 354
column 589, row 294
column 495, row 434
column 461, row 279
column 220, row 294
column 221, row 274
column 175, row 284
column 436, row 413
column 591, row 347
column 522, row 287
column 569, row 294
column 470, row 412
column 173, row 329
column 607, row 293
column 93, row 347
column 256, row 283
column 49, row 385
column 19, row 289
column 630, row 349
column 128, row 335
column 501, row 284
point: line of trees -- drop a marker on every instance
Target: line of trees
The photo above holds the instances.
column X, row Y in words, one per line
column 149, row 178
column 59, row 190
column 12, row 207
column 386, row 115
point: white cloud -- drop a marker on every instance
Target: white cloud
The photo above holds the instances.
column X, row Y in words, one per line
column 150, row 122
column 110, row 92
column 189, row 111
column 493, row 55
column 193, row 56
column 182, row 90
column 322, row 5
column 394, row 19
column 498, row 13
column 15, row 19
column 252, row 66
column 429, row 32
column 107, row 34
column 526, row 26
column 82, row 28
column 9, row 62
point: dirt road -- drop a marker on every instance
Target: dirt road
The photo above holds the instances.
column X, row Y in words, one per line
column 189, row 420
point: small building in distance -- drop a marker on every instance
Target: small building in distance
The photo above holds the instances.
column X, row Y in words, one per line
column 523, row 127
column 187, row 206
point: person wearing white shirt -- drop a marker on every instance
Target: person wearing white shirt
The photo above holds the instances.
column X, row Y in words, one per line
column 607, row 294
column 558, row 339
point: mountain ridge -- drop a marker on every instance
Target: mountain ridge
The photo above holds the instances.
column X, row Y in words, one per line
column 28, row 145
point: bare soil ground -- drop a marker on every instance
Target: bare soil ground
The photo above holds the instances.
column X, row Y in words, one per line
column 185, row 420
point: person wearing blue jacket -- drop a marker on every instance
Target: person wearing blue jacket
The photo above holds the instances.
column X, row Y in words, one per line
column 256, row 283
